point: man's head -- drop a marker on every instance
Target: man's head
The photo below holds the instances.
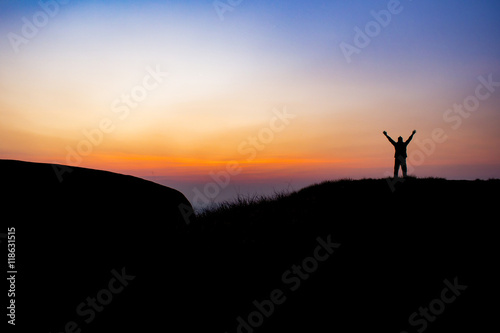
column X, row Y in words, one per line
column 400, row 139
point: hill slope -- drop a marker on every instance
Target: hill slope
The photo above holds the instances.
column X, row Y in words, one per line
column 396, row 250
column 343, row 256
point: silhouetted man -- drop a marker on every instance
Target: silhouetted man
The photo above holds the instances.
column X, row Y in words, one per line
column 400, row 155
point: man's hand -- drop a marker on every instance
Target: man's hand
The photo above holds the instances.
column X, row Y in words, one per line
column 414, row 131
column 385, row 133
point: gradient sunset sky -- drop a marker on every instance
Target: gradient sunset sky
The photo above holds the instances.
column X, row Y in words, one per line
column 287, row 92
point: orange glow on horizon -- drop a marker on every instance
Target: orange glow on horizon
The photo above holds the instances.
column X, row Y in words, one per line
column 195, row 168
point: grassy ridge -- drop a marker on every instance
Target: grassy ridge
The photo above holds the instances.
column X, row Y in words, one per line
column 397, row 247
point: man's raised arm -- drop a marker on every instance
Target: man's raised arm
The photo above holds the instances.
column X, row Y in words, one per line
column 389, row 138
column 411, row 136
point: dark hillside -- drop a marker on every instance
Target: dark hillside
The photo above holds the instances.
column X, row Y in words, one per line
column 341, row 256
column 397, row 248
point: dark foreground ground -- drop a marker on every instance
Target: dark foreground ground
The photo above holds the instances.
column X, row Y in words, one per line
column 114, row 255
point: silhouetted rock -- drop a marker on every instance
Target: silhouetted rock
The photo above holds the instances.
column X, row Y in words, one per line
column 73, row 236
column 64, row 193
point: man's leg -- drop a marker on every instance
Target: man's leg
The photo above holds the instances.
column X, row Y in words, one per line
column 397, row 163
column 403, row 167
